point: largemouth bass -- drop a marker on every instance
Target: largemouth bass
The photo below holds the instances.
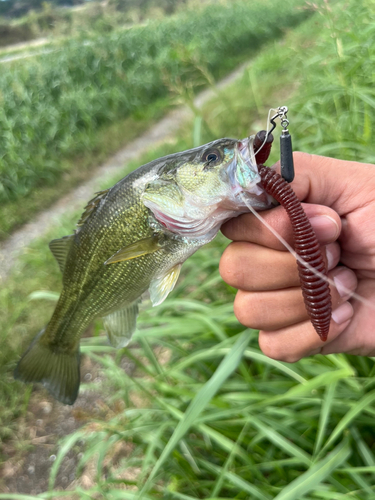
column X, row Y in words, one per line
column 134, row 237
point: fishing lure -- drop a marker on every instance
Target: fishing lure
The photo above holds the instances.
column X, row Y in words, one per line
column 315, row 288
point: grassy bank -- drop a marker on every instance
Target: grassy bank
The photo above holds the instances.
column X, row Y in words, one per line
column 55, row 106
column 78, row 168
column 262, row 429
column 50, row 19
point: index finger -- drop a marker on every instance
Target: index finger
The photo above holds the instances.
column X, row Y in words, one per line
column 325, row 222
column 339, row 184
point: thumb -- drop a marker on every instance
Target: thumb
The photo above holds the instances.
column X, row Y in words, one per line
column 341, row 185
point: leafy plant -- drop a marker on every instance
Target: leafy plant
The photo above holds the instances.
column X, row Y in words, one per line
column 268, row 429
column 51, row 105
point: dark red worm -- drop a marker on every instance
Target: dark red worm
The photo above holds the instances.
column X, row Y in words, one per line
column 262, row 154
column 315, row 290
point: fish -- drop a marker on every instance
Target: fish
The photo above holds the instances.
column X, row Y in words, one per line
column 135, row 237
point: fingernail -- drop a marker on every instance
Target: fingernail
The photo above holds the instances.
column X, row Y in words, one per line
column 342, row 313
column 326, row 227
column 332, row 254
column 345, row 282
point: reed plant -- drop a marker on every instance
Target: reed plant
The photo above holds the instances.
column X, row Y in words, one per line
column 51, row 105
column 206, row 414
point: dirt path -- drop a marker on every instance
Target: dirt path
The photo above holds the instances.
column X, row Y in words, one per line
column 47, row 420
column 45, row 423
column 17, row 243
column 11, row 58
column 24, row 45
column 6, row 53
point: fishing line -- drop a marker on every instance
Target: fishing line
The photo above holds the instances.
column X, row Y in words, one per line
column 273, row 111
column 353, row 295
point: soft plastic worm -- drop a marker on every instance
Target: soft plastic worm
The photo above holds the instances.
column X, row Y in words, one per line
column 315, row 290
column 262, row 146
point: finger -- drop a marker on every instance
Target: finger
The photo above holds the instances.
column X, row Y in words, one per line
column 358, row 338
column 272, row 310
column 292, row 343
column 327, row 181
column 254, row 268
column 325, row 222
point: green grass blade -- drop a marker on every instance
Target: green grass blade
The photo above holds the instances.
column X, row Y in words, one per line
column 219, row 483
column 358, row 470
column 237, row 481
column 280, row 441
column 350, row 416
column 201, row 400
column 310, row 479
column 67, row 445
column 363, row 447
column 324, row 415
column 283, row 367
column 315, row 383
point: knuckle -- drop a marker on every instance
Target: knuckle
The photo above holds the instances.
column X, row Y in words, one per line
column 251, row 310
column 273, row 350
column 227, row 265
column 346, row 283
column 243, row 310
column 301, row 157
column 231, row 267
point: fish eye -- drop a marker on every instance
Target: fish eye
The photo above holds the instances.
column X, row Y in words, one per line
column 211, row 156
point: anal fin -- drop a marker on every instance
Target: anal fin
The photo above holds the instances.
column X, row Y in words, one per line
column 121, row 324
column 160, row 287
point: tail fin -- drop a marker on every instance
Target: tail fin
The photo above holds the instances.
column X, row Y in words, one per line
column 58, row 372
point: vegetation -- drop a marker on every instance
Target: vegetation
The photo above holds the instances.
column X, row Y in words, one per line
column 213, row 417
column 17, row 8
column 54, row 106
column 31, row 20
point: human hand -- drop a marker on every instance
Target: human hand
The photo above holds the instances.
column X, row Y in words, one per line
column 339, row 200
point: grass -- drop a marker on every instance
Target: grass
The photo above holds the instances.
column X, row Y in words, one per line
column 207, row 428
column 75, row 169
column 51, row 20
column 54, row 105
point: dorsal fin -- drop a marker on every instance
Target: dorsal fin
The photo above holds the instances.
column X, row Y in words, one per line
column 91, row 206
column 60, row 249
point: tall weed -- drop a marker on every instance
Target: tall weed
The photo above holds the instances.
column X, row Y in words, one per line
column 50, row 105
column 271, row 430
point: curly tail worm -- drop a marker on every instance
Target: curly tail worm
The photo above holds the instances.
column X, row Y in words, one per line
column 315, row 289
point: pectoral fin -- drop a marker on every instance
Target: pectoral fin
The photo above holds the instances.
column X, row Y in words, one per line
column 137, row 249
column 120, row 325
column 160, row 287
column 60, row 249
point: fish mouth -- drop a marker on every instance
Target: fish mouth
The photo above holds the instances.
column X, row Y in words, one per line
column 245, row 179
column 243, row 171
